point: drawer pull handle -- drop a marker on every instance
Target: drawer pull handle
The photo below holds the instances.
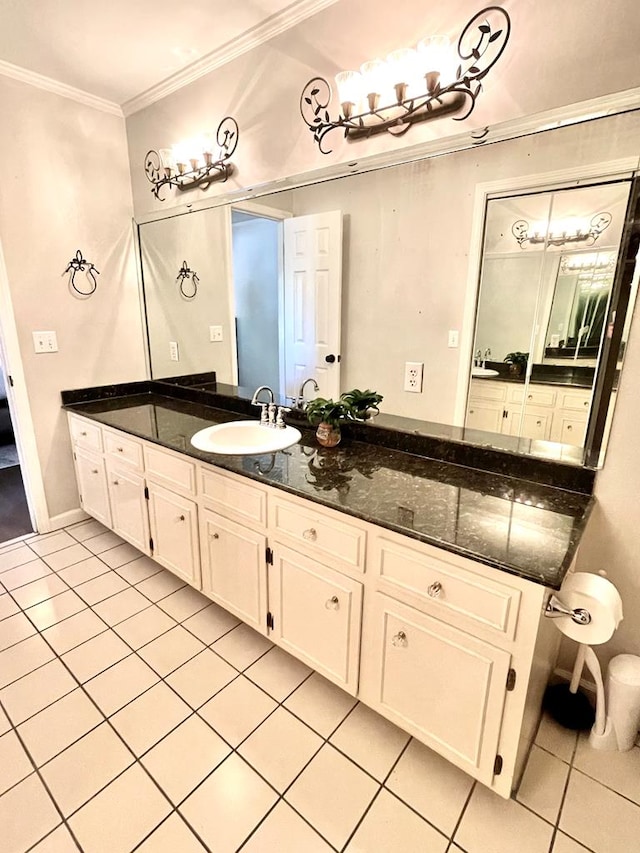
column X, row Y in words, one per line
column 94, row 470
column 435, row 589
column 333, row 603
column 311, row 534
column 180, row 518
column 399, row 640
column 215, row 535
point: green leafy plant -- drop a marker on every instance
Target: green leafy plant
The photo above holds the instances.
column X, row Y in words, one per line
column 519, row 358
column 362, row 402
column 332, row 412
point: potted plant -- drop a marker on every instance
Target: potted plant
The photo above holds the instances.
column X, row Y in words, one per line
column 364, row 404
column 517, row 362
column 327, row 415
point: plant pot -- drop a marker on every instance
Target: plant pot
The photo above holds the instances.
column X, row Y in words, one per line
column 515, row 369
column 328, row 435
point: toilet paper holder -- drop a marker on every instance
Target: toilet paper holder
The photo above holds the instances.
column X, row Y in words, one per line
column 555, row 608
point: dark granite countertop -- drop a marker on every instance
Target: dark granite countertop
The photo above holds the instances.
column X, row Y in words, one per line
column 568, row 376
column 511, row 524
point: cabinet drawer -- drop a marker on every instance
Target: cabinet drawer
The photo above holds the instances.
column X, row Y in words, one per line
column 232, row 498
column 123, row 449
column 576, row 401
column 318, row 534
column 532, row 396
column 85, row 434
column 446, row 589
column 484, row 389
column 171, row 470
column 569, row 429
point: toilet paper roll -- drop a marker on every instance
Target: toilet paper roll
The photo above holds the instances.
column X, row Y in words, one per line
column 600, row 598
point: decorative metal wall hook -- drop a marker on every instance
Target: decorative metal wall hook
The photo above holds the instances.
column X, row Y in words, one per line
column 80, row 264
column 479, row 47
column 184, row 274
column 168, row 169
column 567, row 231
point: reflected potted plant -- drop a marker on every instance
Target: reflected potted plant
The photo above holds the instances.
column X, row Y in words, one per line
column 517, row 362
column 363, row 404
column 327, row 415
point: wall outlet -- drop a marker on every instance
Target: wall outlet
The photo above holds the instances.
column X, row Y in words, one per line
column 173, row 351
column 45, row 342
column 453, row 338
column 413, row 371
column 215, row 333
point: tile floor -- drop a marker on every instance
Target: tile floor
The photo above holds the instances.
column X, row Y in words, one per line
column 136, row 715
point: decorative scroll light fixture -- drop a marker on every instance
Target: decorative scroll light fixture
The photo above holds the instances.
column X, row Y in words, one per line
column 195, row 163
column 80, row 264
column 597, row 261
column 562, row 231
column 184, row 274
column 412, row 85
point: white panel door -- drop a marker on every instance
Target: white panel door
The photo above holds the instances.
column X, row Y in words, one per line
column 312, row 294
column 174, row 532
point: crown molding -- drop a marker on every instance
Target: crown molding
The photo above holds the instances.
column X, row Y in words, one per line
column 7, row 69
column 273, row 26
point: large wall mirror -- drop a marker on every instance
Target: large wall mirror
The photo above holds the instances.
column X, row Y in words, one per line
column 350, row 279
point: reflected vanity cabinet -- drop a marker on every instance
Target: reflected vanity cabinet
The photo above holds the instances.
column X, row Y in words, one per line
column 454, row 652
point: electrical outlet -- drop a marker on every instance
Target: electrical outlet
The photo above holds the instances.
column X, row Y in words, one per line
column 45, row 342
column 173, row 351
column 453, row 338
column 215, row 333
column 413, row 371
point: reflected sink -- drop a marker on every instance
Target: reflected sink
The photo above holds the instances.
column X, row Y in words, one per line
column 483, row 372
column 245, row 438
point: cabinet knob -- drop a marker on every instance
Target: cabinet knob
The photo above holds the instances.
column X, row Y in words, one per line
column 435, row 589
column 471, row 411
column 94, row 470
column 530, row 397
column 399, row 640
column 84, row 432
column 569, row 428
column 311, row 534
column 116, row 482
column 586, row 403
column 215, row 535
column 333, row 603
column 120, row 449
column 538, row 423
column 180, row 518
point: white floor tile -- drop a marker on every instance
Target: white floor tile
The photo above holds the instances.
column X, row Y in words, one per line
column 278, row 673
column 599, row 818
column 185, row 757
column 211, row 623
column 86, row 529
column 60, row 607
column 564, row 844
column 543, row 784
column 15, row 557
column 121, row 606
column 122, row 815
column 120, row 556
column 172, row 836
column 27, row 813
column 95, row 655
column 321, row 704
column 24, row 574
column 40, row 590
column 7, row 606
column 493, row 823
column 83, row 571
column 242, row 646
column 51, row 542
column 14, row 761
column 139, row 569
column 120, row 683
column 5, row 725
column 184, row 603
column 22, row 658
column 431, row 785
column 101, row 587
column 102, row 542
column 13, row 629
column 237, row 710
column 390, row 826
column 85, row 767
column 555, row 738
column 59, row 725
column 73, row 631
column 228, row 805
column 280, row 747
column 36, row 690
column 617, row 770
column 150, row 717
column 332, row 794
column 58, row 841
column 371, row 741
column 201, row 678
column 145, row 626
column 160, row 585
column 67, row 557
column 284, row 831
column 171, row 650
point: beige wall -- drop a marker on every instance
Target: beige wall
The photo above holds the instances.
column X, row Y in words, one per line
column 66, row 187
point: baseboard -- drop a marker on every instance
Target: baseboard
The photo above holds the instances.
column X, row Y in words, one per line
column 73, row 516
column 565, row 675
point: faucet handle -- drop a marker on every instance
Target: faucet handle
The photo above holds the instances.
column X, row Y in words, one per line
column 264, row 417
column 272, row 414
column 280, row 418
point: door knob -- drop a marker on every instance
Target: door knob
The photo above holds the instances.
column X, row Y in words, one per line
column 330, row 358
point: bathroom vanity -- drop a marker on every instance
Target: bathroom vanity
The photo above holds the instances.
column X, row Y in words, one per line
column 413, row 583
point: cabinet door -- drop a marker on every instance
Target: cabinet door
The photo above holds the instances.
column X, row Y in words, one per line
column 569, row 428
column 443, row 686
column 234, row 568
column 316, row 615
column 129, row 507
column 173, row 524
column 536, row 423
column 484, row 416
column 92, row 482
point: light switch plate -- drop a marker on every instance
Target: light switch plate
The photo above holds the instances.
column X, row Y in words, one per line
column 453, row 338
column 173, row 351
column 45, row 342
column 215, row 333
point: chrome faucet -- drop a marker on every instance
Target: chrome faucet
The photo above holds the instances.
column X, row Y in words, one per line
column 478, row 358
column 270, row 414
column 300, row 401
column 487, row 354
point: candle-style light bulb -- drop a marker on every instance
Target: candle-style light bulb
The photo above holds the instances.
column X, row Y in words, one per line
column 349, row 85
column 436, row 61
column 401, row 71
column 373, row 79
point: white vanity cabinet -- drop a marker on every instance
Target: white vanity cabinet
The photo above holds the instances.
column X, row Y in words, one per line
column 173, row 527
column 92, row 485
column 129, row 516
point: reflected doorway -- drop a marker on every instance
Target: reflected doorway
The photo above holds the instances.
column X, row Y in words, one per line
column 15, row 520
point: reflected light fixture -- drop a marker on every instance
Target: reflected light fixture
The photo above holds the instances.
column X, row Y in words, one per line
column 196, row 162
column 186, row 274
column 411, row 85
column 598, row 261
column 562, row 231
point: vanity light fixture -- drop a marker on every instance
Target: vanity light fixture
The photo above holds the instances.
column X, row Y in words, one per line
column 411, row 85
column 561, row 232
column 195, row 163
column 185, row 274
column 80, row 264
column 598, row 261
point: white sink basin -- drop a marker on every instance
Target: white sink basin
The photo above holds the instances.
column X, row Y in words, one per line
column 483, row 372
column 245, row 438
